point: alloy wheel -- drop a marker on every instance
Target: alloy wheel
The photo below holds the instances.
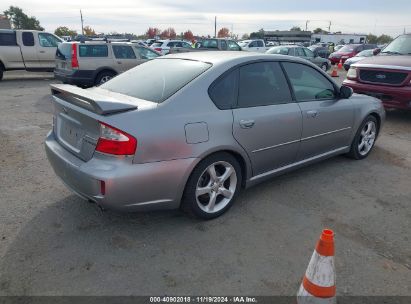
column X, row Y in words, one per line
column 216, row 187
column 367, row 138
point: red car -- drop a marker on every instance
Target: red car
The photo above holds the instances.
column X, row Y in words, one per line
column 386, row 76
column 348, row 51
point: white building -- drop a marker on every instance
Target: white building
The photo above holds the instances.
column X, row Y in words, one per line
column 339, row 38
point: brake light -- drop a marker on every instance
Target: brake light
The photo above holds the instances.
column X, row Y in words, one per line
column 158, row 49
column 114, row 141
column 74, row 60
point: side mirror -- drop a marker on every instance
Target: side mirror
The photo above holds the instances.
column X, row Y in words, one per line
column 345, row 92
column 376, row 51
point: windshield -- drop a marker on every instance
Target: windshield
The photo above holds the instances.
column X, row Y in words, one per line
column 346, row 49
column 243, row 43
column 401, row 45
column 366, row 53
column 156, row 80
column 278, row 50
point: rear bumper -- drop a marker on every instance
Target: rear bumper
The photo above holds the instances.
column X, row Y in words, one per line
column 128, row 186
column 76, row 77
column 391, row 97
column 336, row 60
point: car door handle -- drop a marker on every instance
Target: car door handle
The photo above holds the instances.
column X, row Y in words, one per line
column 246, row 124
column 42, row 52
column 119, row 62
column 312, row 113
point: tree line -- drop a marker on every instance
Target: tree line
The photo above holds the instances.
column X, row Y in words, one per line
column 20, row 20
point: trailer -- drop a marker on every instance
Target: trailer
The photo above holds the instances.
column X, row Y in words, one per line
column 339, row 38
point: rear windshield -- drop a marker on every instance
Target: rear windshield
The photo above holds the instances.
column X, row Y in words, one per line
column 89, row 50
column 156, row 80
column 8, row 38
column 157, row 44
column 64, row 50
column 346, row 49
column 278, row 50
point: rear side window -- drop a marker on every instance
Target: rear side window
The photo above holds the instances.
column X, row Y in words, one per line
column 8, row 39
column 123, row 52
column 262, row 84
column 308, row 84
column 223, row 45
column 224, row 91
column 28, row 39
column 89, row 50
column 156, row 80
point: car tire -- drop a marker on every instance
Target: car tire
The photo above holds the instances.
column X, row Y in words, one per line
column 365, row 138
column 212, row 186
column 324, row 67
column 103, row 76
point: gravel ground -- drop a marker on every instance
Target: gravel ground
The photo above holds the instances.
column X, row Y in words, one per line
column 53, row 243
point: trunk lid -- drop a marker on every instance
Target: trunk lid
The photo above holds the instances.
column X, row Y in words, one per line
column 77, row 113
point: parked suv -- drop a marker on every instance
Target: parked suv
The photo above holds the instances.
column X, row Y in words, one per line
column 27, row 50
column 348, row 51
column 164, row 46
column 302, row 52
column 93, row 63
column 386, row 76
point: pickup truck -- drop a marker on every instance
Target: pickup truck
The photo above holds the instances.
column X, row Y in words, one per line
column 386, row 76
column 211, row 44
column 27, row 50
column 256, row 45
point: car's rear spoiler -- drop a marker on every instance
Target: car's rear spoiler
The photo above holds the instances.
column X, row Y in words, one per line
column 91, row 101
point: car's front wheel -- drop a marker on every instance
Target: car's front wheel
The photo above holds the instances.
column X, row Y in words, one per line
column 324, row 67
column 364, row 139
column 212, row 186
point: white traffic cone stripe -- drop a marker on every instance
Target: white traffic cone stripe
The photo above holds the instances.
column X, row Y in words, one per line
column 304, row 297
column 320, row 270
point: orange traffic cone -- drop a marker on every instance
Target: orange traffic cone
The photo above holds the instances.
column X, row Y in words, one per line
column 318, row 284
column 334, row 72
column 340, row 65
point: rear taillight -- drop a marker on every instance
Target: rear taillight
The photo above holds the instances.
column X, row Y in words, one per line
column 157, row 49
column 114, row 141
column 74, row 60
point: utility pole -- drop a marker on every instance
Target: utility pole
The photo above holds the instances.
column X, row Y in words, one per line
column 329, row 27
column 215, row 27
column 82, row 27
column 306, row 25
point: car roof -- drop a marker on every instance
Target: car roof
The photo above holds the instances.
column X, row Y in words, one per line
column 216, row 57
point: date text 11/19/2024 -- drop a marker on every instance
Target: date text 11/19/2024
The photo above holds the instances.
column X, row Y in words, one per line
column 202, row 299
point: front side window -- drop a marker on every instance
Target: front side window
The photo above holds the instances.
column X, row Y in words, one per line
column 123, row 52
column 308, row 84
column 232, row 46
column 89, row 50
column 156, row 80
column 145, row 53
column 253, row 44
column 48, row 40
column 299, row 52
column 262, row 84
column 308, row 53
column 224, row 91
column 260, row 43
column 28, row 39
column 210, row 44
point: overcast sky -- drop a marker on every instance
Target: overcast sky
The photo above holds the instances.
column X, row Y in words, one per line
column 359, row 16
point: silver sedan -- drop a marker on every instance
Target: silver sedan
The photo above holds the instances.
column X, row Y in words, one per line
column 190, row 130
